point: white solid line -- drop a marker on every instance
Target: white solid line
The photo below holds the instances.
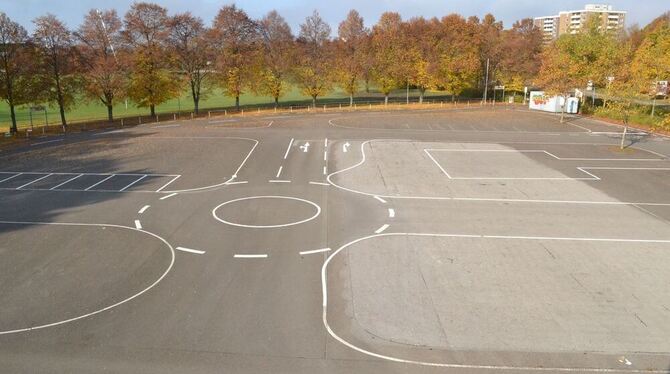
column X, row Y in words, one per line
column 66, row 182
column 104, row 309
column 437, row 163
column 324, row 315
column 391, row 213
column 239, row 182
column 89, row 187
column 382, row 229
column 48, row 141
column 279, row 181
column 250, row 256
column 131, row 184
column 164, row 126
column 138, row 224
column 168, row 183
column 288, row 149
column 189, row 250
column 144, row 209
column 279, row 171
column 13, row 176
column 36, row 180
column 168, row 196
column 314, row 251
column 320, row 183
column 380, row 199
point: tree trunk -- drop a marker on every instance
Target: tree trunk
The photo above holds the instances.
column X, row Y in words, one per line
column 562, row 109
column 623, row 137
column 237, row 102
column 453, row 98
column 351, row 100
column 110, row 113
column 276, row 101
column 386, row 99
column 195, row 93
column 422, row 91
column 152, row 108
column 61, row 109
column 196, row 105
column 314, row 101
column 14, row 129
column 367, row 85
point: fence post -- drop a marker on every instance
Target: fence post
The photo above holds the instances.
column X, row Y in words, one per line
column 174, row 116
column 225, row 112
column 191, row 115
column 121, row 122
column 139, row 120
column 290, row 108
column 324, row 107
column 259, row 109
column 209, row 114
column 242, row 112
column 370, row 106
column 275, row 109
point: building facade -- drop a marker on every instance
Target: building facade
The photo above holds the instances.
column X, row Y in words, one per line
column 573, row 21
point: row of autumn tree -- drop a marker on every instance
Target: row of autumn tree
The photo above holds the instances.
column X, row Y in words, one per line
column 151, row 57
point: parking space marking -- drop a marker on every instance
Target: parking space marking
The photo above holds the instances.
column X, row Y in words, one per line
column 12, row 177
column 95, row 184
column 279, row 171
column 31, row 182
column 132, row 183
column 168, row 183
column 168, row 196
column 380, row 199
column 66, row 182
column 288, row 149
column 279, row 181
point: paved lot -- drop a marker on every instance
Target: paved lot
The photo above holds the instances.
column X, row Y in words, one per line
column 473, row 240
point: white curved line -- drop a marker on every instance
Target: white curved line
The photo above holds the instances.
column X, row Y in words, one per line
column 227, row 181
column 318, row 211
column 374, row 195
column 105, row 308
column 324, row 291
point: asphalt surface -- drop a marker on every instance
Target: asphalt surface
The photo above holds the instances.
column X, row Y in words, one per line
column 473, row 240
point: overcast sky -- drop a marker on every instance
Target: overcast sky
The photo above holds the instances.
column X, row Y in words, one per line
column 72, row 11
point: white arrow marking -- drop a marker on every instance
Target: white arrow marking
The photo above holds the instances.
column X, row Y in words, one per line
column 345, row 147
column 305, row 147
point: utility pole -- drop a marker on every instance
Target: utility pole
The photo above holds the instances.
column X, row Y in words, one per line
column 486, row 81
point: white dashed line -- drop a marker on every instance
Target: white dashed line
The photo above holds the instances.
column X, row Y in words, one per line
column 288, row 149
column 279, row 171
column 320, row 183
column 250, row 256
column 279, row 181
column 380, row 199
column 168, row 196
column 239, row 182
column 314, row 251
column 189, row 250
column 138, row 224
column 382, row 229
column 144, row 209
column 325, row 170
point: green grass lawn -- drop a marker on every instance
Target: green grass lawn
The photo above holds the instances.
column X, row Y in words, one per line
column 89, row 110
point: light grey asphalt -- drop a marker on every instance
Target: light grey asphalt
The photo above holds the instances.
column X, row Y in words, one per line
column 472, row 240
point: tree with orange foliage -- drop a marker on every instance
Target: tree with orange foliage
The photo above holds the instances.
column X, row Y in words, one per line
column 13, row 65
column 350, row 53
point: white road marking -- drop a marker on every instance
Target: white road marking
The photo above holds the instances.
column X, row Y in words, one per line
column 189, row 250
column 168, row 196
column 391, row 213
column 223, row 121
column 382, row 229
column 325, row 143
column 95, row 184
column 279, row 171
column 320, row 183
column 144, row 209
column 279, row 181
column 160, row 278
column 325, row 155
column 305, row 147
column 168, row 183
column 380, row 199
column 288, row 149
column 325, row 170
column 239, row 182
column 316, row 213
column 324, row 315
column 345, row 147
column 12, row 177
column 48, row 141
column 66, row 182
column 36, row 180
column 314, row 251
column 250, row 256
column 138, row 224
column 502, row 200
column 133, row 183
